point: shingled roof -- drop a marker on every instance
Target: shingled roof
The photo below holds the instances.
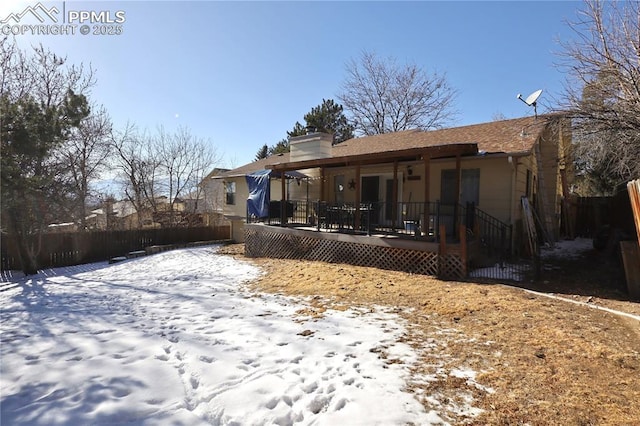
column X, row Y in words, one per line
column 512, row 136
column 509, row 136
column 264, row 163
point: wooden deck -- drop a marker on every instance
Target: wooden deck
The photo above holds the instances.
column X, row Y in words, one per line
column 381, row 251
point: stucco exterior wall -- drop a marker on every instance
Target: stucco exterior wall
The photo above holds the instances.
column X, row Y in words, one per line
column 502, row 182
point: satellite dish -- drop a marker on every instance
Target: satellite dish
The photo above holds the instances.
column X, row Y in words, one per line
column 532, row 100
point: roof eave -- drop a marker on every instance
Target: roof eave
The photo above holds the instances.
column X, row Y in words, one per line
column 433, row 152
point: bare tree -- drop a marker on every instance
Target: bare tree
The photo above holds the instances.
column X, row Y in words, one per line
column 206, row 158
column 498, row 116
column 603, row 91
column 43, row 75
column 15, row 81
column 381, row 96
column 163, row 164
column 184, row 159
column 86, row 153
column 135, row 167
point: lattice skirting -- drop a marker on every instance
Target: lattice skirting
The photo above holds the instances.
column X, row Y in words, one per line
column 268, row 242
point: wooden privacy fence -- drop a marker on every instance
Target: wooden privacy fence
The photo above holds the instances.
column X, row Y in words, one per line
column 64, row 249
column 591, row 214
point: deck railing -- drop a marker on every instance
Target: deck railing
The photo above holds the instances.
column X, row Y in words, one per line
column 407, row 219
column 490, row 240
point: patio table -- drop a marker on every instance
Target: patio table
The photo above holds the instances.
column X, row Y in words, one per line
column 344, row 216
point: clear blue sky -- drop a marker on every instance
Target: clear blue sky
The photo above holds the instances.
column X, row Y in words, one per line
column 240, row 74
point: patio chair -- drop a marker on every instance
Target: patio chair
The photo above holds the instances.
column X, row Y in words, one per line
column 321, row 213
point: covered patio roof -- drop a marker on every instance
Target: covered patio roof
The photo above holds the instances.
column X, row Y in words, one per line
column 290, row 174
column 409, row 154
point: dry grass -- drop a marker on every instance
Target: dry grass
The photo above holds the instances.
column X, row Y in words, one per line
column 547, row 361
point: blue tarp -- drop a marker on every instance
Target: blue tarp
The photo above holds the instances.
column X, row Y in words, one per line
column 260, row 190
column 259, row 193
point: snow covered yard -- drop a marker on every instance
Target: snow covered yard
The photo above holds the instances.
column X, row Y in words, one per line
column 175, row 339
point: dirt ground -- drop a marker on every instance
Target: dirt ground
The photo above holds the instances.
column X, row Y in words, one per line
column 540, row 361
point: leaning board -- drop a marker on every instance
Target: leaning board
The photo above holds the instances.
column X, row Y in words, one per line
column 529, row 225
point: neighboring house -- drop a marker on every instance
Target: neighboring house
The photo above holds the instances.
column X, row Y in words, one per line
column 97, row 220
column 125, row 216
column 210, row 198
column 408, row 175
column 236, row 191
column 195, row 209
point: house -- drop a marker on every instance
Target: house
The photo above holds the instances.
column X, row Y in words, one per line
column 418, row 184
column 123, row 215
column 208, row 200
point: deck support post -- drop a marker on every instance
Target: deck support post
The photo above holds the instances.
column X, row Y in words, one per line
column 394, row 195
column 283, row 200
column 463, row 249
column 427, row 202
column 456, row 219
column 358, row 199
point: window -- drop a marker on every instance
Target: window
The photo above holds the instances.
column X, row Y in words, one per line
column 448, row 186
column 230, row 192
column 469, row 186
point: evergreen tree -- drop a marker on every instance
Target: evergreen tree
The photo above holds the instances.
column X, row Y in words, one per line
column 280, row 147
column 34, row 188
column 262, row 152
column 42, row 105
column 298, row 130
column 329, row 117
